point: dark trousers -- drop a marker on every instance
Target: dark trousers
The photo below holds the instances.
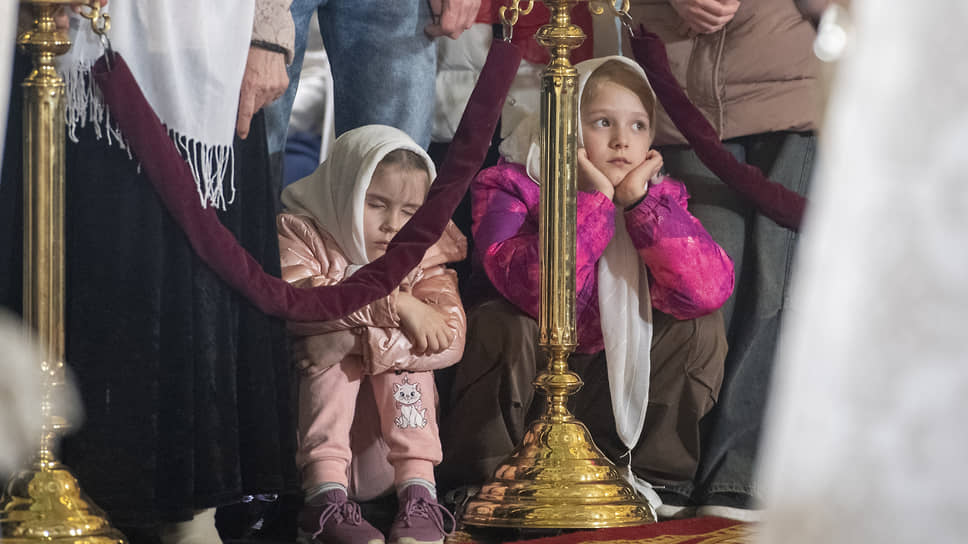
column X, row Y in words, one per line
column 493, row 399
column 762, row 254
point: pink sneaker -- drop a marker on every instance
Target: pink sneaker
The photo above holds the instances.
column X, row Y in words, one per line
column 332, row 518
column 420, row 519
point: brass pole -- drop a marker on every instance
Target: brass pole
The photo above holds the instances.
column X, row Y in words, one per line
column 557, row 477
column 556, row 225
column 44, row 503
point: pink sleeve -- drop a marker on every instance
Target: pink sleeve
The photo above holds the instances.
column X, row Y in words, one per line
column 505, row 211
column 691, row 275
column 387, row 349
column 379, row 313
column 307, row 261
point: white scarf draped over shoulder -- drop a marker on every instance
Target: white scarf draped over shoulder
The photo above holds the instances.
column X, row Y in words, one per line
column 335, row 193
column 188, row 57
column 624, row 302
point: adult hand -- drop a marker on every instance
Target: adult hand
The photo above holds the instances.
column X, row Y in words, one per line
column 635, row 184
column 705, row 16
column 61, row 20
column 265, row 80
column 451, row 17
column 427, row 328
column 590, row 178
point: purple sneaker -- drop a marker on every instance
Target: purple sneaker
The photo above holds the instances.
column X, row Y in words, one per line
column 332, row 518
column 420, row 519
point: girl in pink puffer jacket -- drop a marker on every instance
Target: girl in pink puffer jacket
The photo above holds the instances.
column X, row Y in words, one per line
column 367, row 401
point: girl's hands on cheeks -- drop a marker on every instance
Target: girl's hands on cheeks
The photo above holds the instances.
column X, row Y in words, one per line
column 635, row 185
column 427, row 329
column 590, row 178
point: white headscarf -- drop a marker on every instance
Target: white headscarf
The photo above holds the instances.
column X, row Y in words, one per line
column 334, row 194
column 623, row 290
column 188, row 58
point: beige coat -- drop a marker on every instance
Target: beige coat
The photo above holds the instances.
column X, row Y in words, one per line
column 758, row 74
column 372, row 334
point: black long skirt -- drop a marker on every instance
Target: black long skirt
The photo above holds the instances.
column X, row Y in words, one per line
column 185, row 385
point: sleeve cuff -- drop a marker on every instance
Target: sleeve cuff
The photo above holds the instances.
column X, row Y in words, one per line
column 273, row 25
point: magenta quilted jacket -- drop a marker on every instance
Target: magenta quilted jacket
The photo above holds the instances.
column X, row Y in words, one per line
column 689, row 274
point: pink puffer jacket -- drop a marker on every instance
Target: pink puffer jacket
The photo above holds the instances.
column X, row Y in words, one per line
column 310, row 257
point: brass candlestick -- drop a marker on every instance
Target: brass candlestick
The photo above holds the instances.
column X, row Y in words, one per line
column 557, row 477
column 43, row 503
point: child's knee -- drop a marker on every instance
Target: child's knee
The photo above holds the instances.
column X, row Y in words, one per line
column 710, row 338
column 691, row 353
column 708, row 349
column 499, row 333
column 498, row 322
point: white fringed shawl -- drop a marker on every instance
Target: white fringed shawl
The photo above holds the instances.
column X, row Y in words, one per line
column 188, row 58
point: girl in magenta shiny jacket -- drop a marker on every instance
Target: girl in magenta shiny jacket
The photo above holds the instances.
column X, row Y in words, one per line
column 644, row 267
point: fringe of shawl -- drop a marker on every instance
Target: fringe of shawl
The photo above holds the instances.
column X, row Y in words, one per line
column 211, row 165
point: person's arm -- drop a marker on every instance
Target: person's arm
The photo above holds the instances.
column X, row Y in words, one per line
column 690, row 274
column 391, row 348
column 271, row 49
column 307, row 261
column 505, row 210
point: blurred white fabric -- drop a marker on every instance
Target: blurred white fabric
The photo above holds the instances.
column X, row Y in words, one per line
column 866, row 440
column 20, row 394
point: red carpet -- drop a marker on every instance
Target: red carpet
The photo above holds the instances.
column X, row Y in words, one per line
column 706, row 530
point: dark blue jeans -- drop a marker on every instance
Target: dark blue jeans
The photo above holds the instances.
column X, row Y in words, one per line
column 762, row 253
column 383, row 65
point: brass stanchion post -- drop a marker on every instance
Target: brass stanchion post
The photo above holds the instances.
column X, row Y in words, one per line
column 557, row 477
column 43, row 502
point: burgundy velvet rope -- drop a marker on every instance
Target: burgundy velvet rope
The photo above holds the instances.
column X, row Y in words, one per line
column 216, row 246
column 783, row 206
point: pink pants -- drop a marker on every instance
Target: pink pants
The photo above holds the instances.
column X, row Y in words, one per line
column 367, row 432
